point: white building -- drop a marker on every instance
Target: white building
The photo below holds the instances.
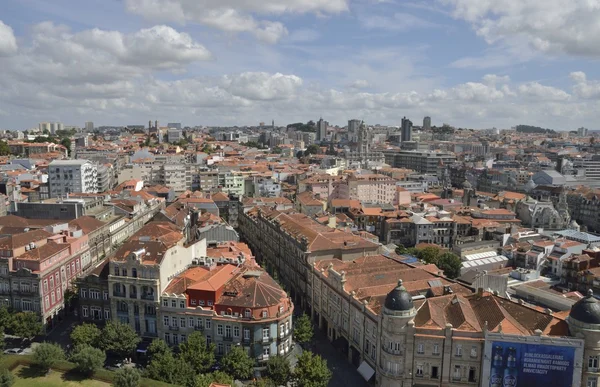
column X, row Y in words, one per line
column 89, row 126
column 68, row 176
column 174, row 135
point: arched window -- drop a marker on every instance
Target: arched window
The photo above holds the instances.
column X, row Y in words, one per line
column 134, row 272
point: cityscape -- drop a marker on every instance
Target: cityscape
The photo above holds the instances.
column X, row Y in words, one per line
column 205, row 198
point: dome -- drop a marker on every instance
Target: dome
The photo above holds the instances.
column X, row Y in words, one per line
column 586, row 310
column 399, row 299
column 467, row 185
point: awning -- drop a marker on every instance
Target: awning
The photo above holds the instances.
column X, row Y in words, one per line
column 366, row 371
column 143, row 347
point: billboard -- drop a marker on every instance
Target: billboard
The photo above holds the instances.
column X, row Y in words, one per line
column 515, row 364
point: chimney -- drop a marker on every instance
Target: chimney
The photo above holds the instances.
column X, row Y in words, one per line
column 479, row 292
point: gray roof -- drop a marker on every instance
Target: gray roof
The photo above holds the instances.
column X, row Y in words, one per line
column 579, row 236
column 59, row 163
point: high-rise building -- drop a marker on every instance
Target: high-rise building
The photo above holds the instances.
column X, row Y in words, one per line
column 89, row 126
column 582, row 132
column 353, row 126
column 69, row 176
column 406, row 129
column 427, row 123
column 322, row 129
column 174, row 125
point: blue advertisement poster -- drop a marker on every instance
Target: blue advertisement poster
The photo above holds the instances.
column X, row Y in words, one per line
column 522, row 364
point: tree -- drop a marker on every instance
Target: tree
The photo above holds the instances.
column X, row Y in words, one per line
column 88, row 359
column 400, row 249
column 157, row 348
column 311, row 371
column 450, row 264
column 277, row 150
column 312, row 150
column 5, row 318
column 303, row 332
column 6, row 378
column 46, row 355
column 299, row 154
column 205, row 380
column 126, row 377
column 26, row 325
column 4, row 149
column 429, row 254
column 66, row 142
column 118, row 338
column 237, row 363
column 264, row 382
column 161, row 367
column 199, row 355
column 279, row 370
column 86, row 334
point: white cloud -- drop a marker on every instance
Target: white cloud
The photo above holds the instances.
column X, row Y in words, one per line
column 584, row 88
column 360, row 84
column 8, row 42
column 400, row 21
column 234, row 15
column 303, row 35
column 549, row 26
column 541, row 92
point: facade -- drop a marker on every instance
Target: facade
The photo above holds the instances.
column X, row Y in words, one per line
column 70, row 176
column 142, row 268
column 94, row 303
column 424, row 162
column 427, row 123
column 322, row 130
column 372, row 188
column 406, row 130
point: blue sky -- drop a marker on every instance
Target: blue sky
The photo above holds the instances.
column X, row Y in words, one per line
column 470, row 63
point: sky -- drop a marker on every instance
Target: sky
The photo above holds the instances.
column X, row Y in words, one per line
column 469, row 63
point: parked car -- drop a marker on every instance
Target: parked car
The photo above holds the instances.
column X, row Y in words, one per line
column 14, row 351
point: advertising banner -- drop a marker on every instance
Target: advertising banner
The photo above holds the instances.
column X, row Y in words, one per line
column 528, row 364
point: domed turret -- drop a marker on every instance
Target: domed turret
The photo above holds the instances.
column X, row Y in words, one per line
column 399, row 299
column 586, row 310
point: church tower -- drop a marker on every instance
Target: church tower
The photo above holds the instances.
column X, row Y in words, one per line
column 563, row 208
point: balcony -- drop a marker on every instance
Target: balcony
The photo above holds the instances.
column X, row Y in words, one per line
column 264, row 358
column 246, row 340
column 119, row 294
column 199, row 328
column 149, row 297
column 227, row 338
column 266, row 339
column 134, row 296
column 172, row 328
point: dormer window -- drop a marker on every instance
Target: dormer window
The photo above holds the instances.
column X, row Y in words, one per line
column 264, row 314
column 247, row 313
column 281, row 309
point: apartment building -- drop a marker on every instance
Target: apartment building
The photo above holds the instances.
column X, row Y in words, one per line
column 69, row 176
column 141, row 269
column 424, row 162
column 37, row 267
column 231, row 304
column 372, row 188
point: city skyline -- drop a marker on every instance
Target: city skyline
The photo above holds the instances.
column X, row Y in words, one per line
column 467, row 63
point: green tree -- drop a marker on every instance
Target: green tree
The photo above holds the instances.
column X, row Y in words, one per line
column 277, row 150
column 205, row 380
column 4, row 149
column 86, row 334
column 5, row 318
column 400, row 249
column 311, row 371
column 197, row 353
column 279, row 370
column 158, row 347
column 46, row 132
column 46, row 355
column 237, row 363
column 429, row 254
column 126, row 377
column 303, row 332
column 66, row 142
column 6, row 378
column 264, row 382
column 118, row 338
column 88, row 359
column 450, row 264
column 312, row 150
column 299, row 155
column 161, row 368
column 26, row 325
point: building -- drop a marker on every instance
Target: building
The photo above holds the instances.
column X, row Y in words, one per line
column 427, row 123
column 142, row 268
column 71, row 176
column 424, row 162
column 94, row 303
column 89, row 126
column 353, row 126
column 231, row 305
column 406, row 130
column 590, row 164
column 371, row 188
column 174, row 125
column 582, row 132
column 322, row 130
column 174, row 135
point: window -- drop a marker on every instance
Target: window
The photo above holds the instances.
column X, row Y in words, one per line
column 265, row 333
column 419, row 372
column 246, row 334
column 220, row 330
column 199, row 323
column 191, row 322
column 593, row 363
column 165, row 303
column 174, row 321
column 94, row 294
column 264, row 314
column 182, row 322
column 236, row 331
column 123, row 272
column 116, row 271
column 456, row 373
column 173, row 303
column 26, row 305
column 210, row 303
column 168, row 338
column 287, row 327
column 472, row 374
column 201, row 302
column 208, row 339
column 247, row 313
column 45, row 286
column 107, row 314
column 420, row 348
column 473, row 351
column 193, row 301
column 208, row 323
column 182, row 338
column 34, row 287
column 227, row 330
column 84, row 311
column 83, row 293
column 458, row 349
column 182, row 304
column 434, row 372
column 266, row 351
column 220, row 348
column 436, row 349
column 175, row 339
column 281, row 329
column 134, row 272
column 592, row 382
column 105, row 295
column 394, row 347
column 47, row 301
column 51, row 282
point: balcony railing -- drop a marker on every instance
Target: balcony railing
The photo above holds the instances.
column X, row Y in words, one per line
column 134, row 295
column 148, row 297
column 227, row 338
column 172, row 328
column 266, row 339
column 199, row 328
column 119, row 294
